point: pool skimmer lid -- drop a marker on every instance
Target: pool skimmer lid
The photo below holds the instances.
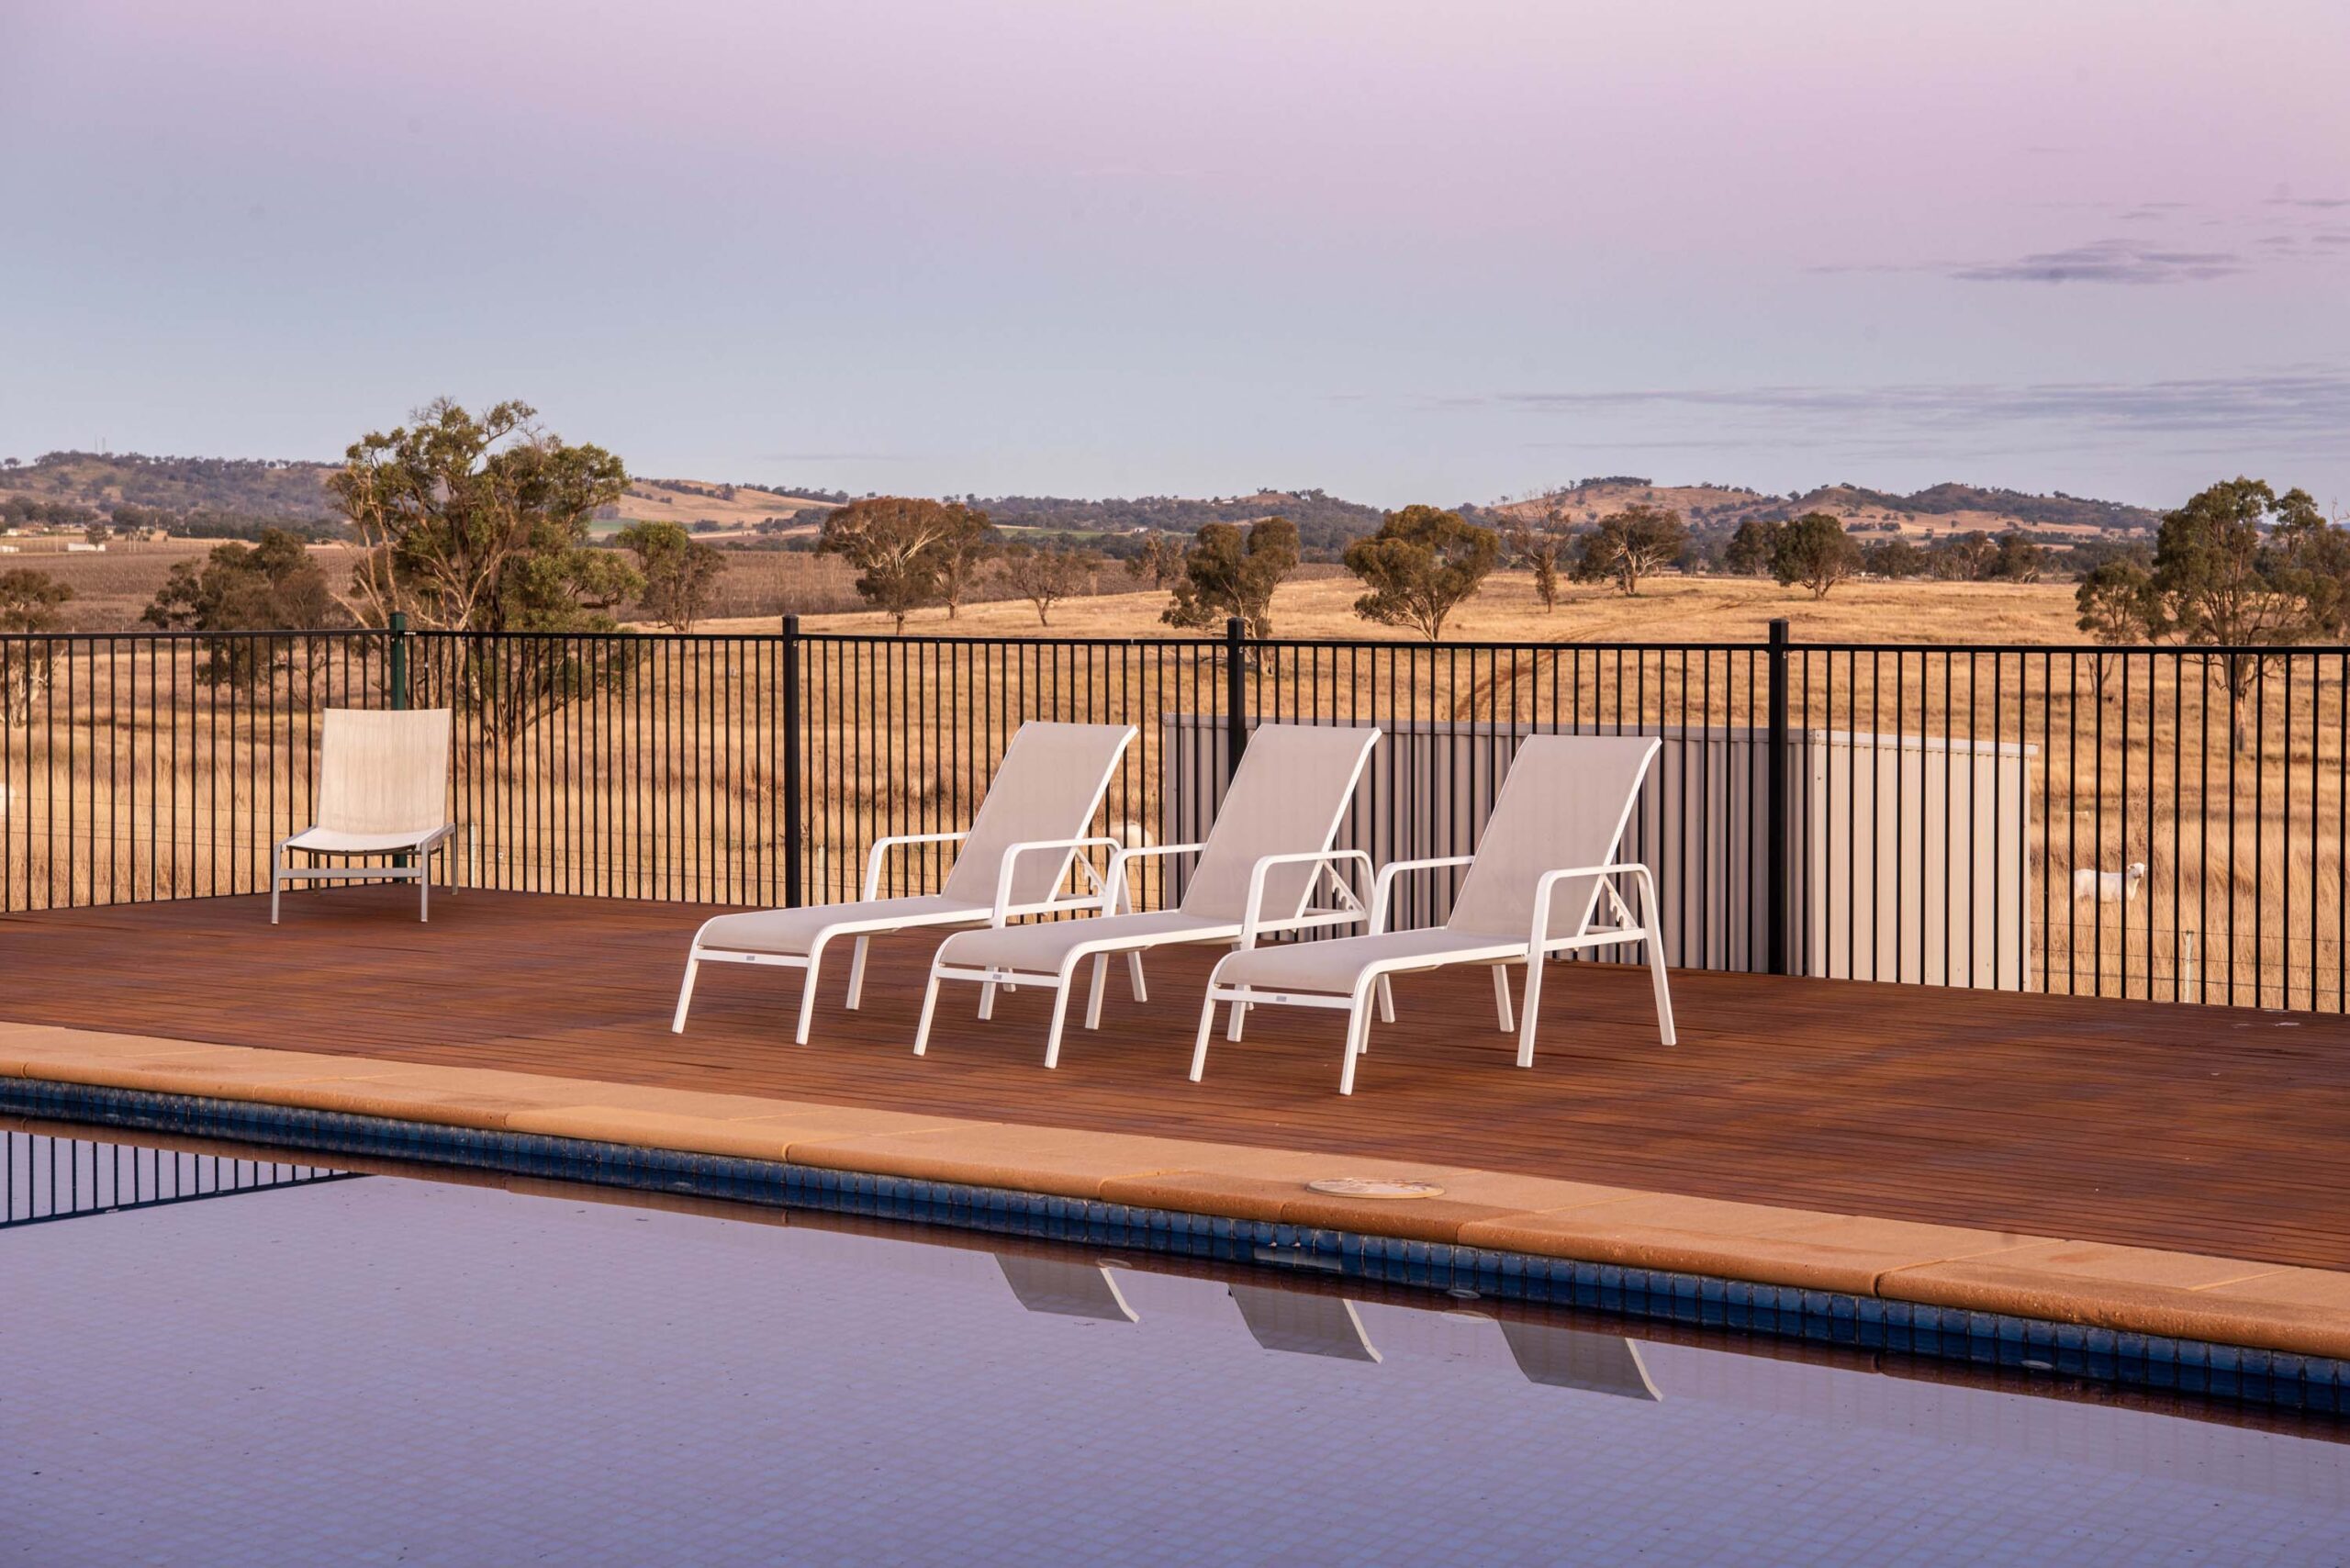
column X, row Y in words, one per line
column 1368, row 1187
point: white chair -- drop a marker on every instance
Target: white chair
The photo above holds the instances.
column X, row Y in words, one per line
column 383, row 789
column 1257, row 871
column 1543, row 866
column 1014, row 857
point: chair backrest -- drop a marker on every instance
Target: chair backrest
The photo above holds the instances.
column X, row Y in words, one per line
column 381, row 771
column 1048, row 785
column 1564, row 804
column 1292, row 789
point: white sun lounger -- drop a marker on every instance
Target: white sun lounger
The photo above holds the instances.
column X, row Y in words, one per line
column 383, row 789
column 1258, row 872
column 1014, row 858
column 1542, row 867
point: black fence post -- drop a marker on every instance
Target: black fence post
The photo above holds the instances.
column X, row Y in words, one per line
column 1235, row 695
column 398, row 678
column 792, row 890
column 1775, row 822
column 400, row 659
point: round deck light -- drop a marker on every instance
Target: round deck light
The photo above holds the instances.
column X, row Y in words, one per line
column 1372, row 1187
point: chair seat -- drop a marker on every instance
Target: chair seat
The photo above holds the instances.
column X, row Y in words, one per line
column 792, row 931
column 1042, row 948
column 1332, row 968
column 333, row 841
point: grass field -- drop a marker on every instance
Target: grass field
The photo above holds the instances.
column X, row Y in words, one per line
column 1668, row 609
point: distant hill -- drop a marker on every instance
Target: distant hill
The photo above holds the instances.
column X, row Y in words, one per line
column 1931, row 512
column 1324, row 523
column 203, row 496
column 215, row 497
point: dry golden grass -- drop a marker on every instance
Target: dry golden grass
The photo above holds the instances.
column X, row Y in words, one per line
column 1667, row 610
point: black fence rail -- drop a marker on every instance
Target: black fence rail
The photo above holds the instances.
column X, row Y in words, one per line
column 45, row 1178
column 2159, row 823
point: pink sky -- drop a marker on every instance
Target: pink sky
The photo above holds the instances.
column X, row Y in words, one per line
column 1432, row 252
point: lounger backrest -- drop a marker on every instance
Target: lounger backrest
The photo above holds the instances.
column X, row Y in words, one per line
column 1048, row 786
column 1564, row 804
column 1292, row 787
column 382, row 771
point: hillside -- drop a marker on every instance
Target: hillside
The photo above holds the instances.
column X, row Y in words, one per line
column 218, row 498
column 1929, row 514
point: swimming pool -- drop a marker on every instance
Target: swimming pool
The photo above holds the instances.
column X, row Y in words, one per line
column 451, row 1366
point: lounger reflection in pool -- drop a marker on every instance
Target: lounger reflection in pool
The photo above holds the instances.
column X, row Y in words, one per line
column 1065, row 1289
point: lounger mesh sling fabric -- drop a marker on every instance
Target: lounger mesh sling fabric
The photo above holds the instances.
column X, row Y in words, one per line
column 1014, row 857
column 1543, row 871
column 1257, row 871
column 383, row 789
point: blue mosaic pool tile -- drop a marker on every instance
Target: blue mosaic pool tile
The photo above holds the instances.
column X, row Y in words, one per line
column 2032, row 1346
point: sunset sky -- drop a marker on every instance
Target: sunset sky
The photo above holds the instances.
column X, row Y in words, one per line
column 1439, row 252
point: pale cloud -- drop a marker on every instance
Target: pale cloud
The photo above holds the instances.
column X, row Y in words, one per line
column 2107, row 260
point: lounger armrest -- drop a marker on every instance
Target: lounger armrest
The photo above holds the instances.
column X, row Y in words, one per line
column 1010, row 863
column 1118, row 864
column 1548, row 881
column 1255, row 907
column 1394, row 868
column 880, row 853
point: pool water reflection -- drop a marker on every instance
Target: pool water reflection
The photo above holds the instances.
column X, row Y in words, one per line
column 431, row 1370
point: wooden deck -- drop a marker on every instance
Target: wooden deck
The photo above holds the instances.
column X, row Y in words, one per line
column 2209, row 1130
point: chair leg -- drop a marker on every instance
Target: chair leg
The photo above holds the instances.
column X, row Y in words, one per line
column 1239, row 1016
column 1386, row 999
column 929, row 1006
column 1531, row 1012
column 275, row 878
column 808, row 997
column 1358, row 1036
column 1500, row 997
column 1133, row 977
column 986, row 999
column 1207, row 1026
column 1100, row 984
column 424, row 891
column 857, row 973
column 1652, row 938
column 1663, row 991
column 685, row 994
column 1061, row 1016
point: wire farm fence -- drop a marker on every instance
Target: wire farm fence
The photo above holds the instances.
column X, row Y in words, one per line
column 2156, row 822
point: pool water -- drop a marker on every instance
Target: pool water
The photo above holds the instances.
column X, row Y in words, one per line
column 424, row 1368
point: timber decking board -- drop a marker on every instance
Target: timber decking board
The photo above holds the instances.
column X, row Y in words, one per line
column 2213, row 1130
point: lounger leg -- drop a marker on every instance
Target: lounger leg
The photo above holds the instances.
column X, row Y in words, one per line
column 276, row 857
column 857, row 973
column 986, row 999
column 808, row 995
column 1239, row 1016
column 929, row 1006
column 1100, row 984
column 1134, row 978
column 1061, row 1016
column 424, row 889
column 1653, row 940
column 1207, row 1026
column 685, row 993
column 1358, row 1036
column 1386, row 1000
column 1532, row 1009
column 1500, row 997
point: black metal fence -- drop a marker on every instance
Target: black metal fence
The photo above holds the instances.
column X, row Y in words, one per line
column 2160, row 822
